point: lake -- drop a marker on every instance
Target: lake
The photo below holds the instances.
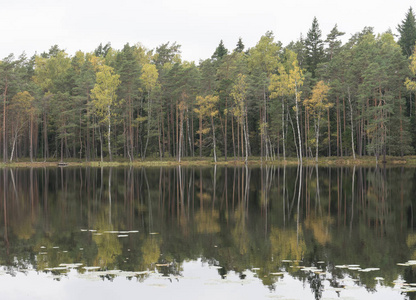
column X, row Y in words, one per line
column 208, row 233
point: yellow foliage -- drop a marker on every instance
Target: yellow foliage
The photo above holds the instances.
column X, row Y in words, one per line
column 238, row 93
column 411, row 240
column 320, row 228
column 149, row 76
column 239, row 232
column 287, row 244
column 23, row 229
column 319, row 100
column 289, row 80
column 207, row 221
column 104, row 92
column 410, row 84
column 108, row 245
column 151, row 251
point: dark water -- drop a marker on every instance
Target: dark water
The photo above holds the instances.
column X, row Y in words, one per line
column 208, row 233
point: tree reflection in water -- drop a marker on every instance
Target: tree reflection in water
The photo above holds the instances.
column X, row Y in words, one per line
column 276, row 219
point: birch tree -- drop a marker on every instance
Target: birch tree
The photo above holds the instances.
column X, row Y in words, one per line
column 104, row 99
column 317, row 105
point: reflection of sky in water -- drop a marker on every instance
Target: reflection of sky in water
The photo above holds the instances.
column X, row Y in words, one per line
column 198, row 281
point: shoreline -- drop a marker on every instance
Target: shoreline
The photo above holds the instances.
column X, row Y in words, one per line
column 368, row 161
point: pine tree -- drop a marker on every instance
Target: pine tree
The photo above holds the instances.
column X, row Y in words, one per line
column 334, row 44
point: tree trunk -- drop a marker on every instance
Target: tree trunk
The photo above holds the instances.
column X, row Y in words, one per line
column 329, row 135
column 213, row 136
column 180, row 136
column 101, row 145
column 338, row 126
column 294, row 135
column 225, row 133
column 283, row 127
column 297, row 123
column 200, row 135
column 14, row 145
column 246, row 138
column 317, row 139
column 109, row 133
column 4, row 121
column 352, row 124
column 232, row 133
column 160, row 133
column 189, row 132
column 45, row 133
column 62, row 149
column 31, row 138
column 149, row 118
column 248, row 148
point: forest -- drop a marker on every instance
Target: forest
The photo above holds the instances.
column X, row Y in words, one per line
column 317, row 96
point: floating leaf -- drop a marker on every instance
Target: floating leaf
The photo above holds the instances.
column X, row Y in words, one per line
column 91, row 268
column 162, row 265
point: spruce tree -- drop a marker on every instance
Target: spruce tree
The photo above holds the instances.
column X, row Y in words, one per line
column 314, row 47
column 239, row 46
column 407, row 32
column 220, row 51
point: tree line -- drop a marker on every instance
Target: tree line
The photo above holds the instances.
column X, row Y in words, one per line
column 313, row 97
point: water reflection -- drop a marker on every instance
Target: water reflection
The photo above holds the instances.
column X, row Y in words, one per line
column 329, row 228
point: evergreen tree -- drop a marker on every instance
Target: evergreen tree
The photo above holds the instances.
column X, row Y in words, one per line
column 314, row 47
column 166, row 53
column 220, row 52
column 407, row 31
column 334, row 44
column 239, row 46
column 102, row 51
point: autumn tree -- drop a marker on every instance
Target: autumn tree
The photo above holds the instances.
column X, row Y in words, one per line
column 239, row 94
column 288, row 84
column 263, row 61
column 316, row 106
column 104, row 99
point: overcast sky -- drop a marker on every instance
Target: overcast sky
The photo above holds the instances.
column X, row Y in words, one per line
column 35, row 25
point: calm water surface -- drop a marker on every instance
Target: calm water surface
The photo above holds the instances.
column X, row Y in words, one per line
column 208, row 233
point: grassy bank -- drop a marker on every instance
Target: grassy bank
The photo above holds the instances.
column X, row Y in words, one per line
column 206, row 161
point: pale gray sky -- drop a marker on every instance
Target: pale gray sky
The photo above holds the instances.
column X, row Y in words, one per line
column 35, row 25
